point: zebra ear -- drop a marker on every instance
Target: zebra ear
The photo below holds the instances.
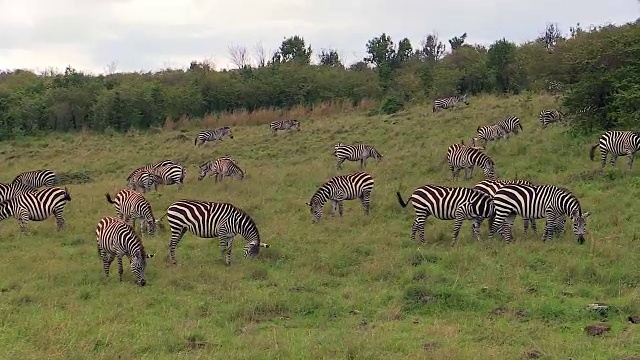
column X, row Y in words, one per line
column 149, row 256
column 586, row 214
column 307, row 204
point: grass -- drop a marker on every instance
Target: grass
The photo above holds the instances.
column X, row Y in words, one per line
column 355, row 287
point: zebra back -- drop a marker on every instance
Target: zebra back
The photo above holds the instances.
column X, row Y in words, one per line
column 462, row 156
column 443, row 201
column 14, row 189
column 510, row 124
column 37, row 178
column 490, row 187
column 131, row 204
column 349, row 186
column 38, row 204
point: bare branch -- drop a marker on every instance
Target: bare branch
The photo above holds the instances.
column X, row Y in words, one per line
column 111, row 68
column 261, row 55
column 239, row 56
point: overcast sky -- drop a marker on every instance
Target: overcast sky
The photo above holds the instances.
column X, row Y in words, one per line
column 153, row 34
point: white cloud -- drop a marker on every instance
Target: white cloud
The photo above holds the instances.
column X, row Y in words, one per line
column 151, row 34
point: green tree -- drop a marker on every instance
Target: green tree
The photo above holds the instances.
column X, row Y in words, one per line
column 501, row 60
column 329, row 57
column 292, row 49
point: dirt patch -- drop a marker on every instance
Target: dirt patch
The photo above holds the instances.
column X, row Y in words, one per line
column 597, row 329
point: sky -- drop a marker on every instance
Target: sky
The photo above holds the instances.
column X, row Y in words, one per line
column 149, row 35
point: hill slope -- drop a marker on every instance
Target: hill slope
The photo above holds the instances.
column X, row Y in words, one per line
column 355, row 287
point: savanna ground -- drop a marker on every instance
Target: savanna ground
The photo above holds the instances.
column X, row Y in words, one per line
column 355, row 287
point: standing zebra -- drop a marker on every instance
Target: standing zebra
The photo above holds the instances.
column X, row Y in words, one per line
column 116, row 239
column 536, row 202
column 208, row 220
column 37, row 178
column 11, row 190
column 618, row 143
column 131, row 205
column 135, row 175
column 37, row 206
column 284, row 125
column 212, row 135
column 339, row 188
column 358, row 152
column 448, row 203
column 220, row 167
column 465, row 157
column 549, row 116
column 144, row 180
column 171, row 174
column 510, row 124
column 449, row 102
column 489, row 133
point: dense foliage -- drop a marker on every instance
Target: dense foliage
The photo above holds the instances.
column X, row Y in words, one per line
column 597, row 67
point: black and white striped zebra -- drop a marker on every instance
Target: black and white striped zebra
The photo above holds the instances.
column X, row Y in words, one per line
column 340, row 188
column 461, row 156
column 37, row 206
column 284, row 125
column 37, row 178
column 510, row 124
column 536, row 202
column 13, row 189
column 221, row 167
column 489, row 133
column 449, row 102
column 357, row 152
column 131, row 205
column 166, row 172
column 117, row 239
column 144, row 180
column 208, row 220
column 171, row 174
column 549, row 116
column 448, row 203
column 135, row 175
column 212, row 135
column 618, row 143
column 555, row 87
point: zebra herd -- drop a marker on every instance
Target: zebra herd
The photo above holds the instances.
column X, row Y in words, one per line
column 33, row 196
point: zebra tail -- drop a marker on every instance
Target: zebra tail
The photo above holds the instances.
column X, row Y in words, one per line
column 402, row 203
column 67, row 194
column 519, row 124
column 592, row 152
column 109, row 198
column 195, row 142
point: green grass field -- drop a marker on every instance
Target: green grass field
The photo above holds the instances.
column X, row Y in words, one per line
column 354, row 287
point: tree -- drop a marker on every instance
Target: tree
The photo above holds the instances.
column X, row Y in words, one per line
column 432, row 48
column 403, row 53
column 329, row 57
column 381, row 51
column 239, row 56
column 358, row 66
column 501, row 59
column 111, row 68
column 261, row 55
column 551, row 36
column 457, row 42
column 292, row 49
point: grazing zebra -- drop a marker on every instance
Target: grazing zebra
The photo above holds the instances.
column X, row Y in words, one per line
column 358, row 152
column 208, row 220
column 618, row 143
column 284, row 125
column 465, row 157
column 555, row 87
column 11, row 190
column 37, row 178
column 171, row 174
column 510, row 124
column 449, row 102
column 220, row 167
column 212, row 135
column 448, row 203
column 339, row 188
column 489, row 133
column 143, row 181
column 550, row 116
column 131, row 205
column 536, row 202
column 37, row 206
column 134, row 177
column 116, row 239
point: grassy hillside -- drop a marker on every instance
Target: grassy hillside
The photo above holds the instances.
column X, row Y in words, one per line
column 355, row 287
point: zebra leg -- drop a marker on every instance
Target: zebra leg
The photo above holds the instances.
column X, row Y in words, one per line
column 23, row 219
column 475, row 227
column 418, row 227
column 456, row 173
column 630, row 160
column 226, row 243
column 365, row 199
column 339, row 164
column 334, row 207
column 361, row 163
column 340, row 207
column 176, row 236
column 120, row 269
column 614, row 159
column 526, row 225
column 507, row 228
column 603, row 159
column 57, row 213
column 107, row 259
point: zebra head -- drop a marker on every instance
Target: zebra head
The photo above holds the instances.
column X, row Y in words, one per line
column 579, row 224
column 139, row 265
column 489, row 169
column 375, row 154
column 463, row 99
column 315, row 207
column 204, row 169
column 296, row 124
column 252, row 248
column 227, row 130
column 150, row 225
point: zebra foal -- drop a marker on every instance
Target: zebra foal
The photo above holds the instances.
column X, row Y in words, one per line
column 37, row 206
column 208, row 220
column 340, row 188
column 618, row 143
column 357, row 152
column 448, row 203
column 221, row 167
column 284, row 125
column 131, row 205
column 212, row 135
column 117, row 239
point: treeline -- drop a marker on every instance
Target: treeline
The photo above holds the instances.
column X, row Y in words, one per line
column 596, row 67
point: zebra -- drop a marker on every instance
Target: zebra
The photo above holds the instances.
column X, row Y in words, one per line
column 448, row 203
column 37, row 206
column 448, row 102
column 135, row 175
column 144, row 180
column 549, row 116
column 284, row 125
column 171, row 174
column 212, row 135
column 618, row 143
column 37, row 178
column 358, row 152
column 117, row 239
column 339, row 188
column 510, row 124
column 555, row 87
column 465, row 157
column 208, row 220
column 220, row 167
column 131, row 205
column 536, row 202
column 489, row 133
column 13, row 189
